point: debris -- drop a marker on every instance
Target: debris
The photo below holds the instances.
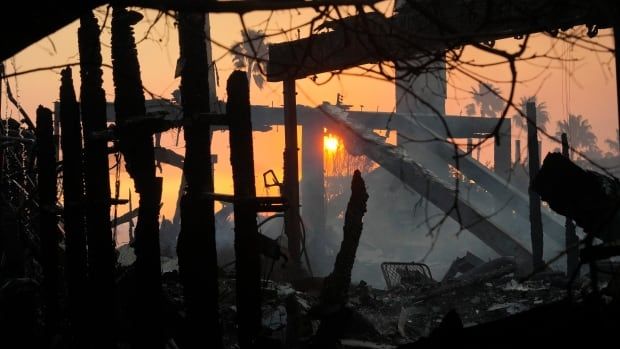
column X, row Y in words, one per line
column 593, row 198
column 462, row 265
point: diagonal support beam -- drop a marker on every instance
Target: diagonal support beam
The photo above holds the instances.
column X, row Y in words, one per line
column 440, row 194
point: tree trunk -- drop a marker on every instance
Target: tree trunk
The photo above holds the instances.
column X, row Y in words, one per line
column 196, row 243
column 135, row 139
column 73, row 186
column 48, row 222
column 246, row 230
column 101, row 262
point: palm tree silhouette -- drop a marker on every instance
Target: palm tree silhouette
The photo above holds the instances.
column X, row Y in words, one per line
column 580, row 135
column 470, row 109
column 614, row 145
column 488, row 99
column 252, row 53
column 542, row 116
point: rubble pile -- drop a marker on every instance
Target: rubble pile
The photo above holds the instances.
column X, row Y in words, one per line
column 386, row 318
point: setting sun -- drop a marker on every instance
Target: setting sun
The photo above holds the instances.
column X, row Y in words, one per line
column 331, row 143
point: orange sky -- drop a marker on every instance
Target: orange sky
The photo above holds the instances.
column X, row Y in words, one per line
column 591, row 89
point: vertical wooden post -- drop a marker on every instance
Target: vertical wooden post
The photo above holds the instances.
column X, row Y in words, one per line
column 334, row 294
column 98, row 230
column 246, row 231
column 291, row 177
column 536, row 228
column 517, row 152
column 135, row 140
column 572, row 241
column 196, row 243
column 502, row 151
column 74, row 219
column 470, row 146
column 48, row 222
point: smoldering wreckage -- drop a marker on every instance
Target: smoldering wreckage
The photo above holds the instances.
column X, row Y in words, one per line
column 64, row 285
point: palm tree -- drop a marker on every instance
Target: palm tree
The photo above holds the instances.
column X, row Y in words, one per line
column 488, row 99
column 252, row 54
column 580, row 135
column 614, row 145
column 542, row 115
column 470, row 109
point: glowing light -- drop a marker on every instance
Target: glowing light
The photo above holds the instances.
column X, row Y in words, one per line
column 331, row 143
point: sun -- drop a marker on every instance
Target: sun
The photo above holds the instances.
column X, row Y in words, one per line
column 331, row 143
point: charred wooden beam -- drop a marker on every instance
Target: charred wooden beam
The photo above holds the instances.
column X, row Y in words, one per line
column 99, row 234
column 334, row 294
column 48, row 220
column 291, row 178
column 426, row 28
column 196, row 243
column 136, row 143
column 48, row 17
column 246, row 230
column 432, row 188
column 74, row 213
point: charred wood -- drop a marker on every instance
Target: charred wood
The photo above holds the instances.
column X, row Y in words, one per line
column 196, row 243
column 590, row 198
column 136, row 143
column 572, row 241
column 334, row 295
column 100, row 245
column 73, row 214
column 99, row 234
column 48, row 220
column 247, row 240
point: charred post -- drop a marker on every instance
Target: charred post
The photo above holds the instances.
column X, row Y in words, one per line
column 536, row 228
column 48, row 221
column 98, row 229
column 572, row 241
column 135, row 139
column 335, row 291
column 246, row 230
column 73, row 214
column 291, row 178
column 196, row 242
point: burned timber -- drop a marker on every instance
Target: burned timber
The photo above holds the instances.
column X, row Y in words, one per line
column 64, row 282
